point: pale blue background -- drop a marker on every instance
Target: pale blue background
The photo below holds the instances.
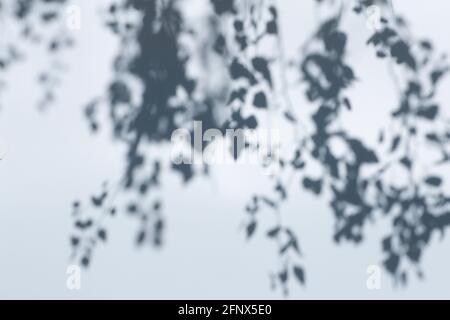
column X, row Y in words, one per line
column 50, row 159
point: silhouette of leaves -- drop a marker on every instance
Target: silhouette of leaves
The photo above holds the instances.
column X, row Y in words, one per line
column 357, row 181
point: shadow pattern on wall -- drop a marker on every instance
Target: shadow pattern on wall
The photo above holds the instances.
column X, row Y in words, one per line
column 153, row 93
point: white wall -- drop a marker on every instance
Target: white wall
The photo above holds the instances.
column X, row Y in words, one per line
column 51, row 159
